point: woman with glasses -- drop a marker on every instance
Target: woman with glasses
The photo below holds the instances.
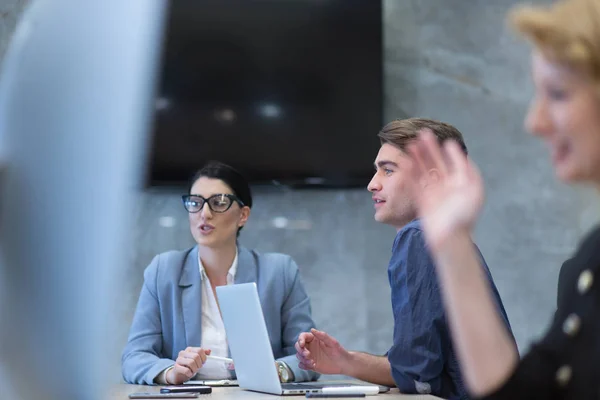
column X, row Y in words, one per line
column 177, row 327
column 565, row 114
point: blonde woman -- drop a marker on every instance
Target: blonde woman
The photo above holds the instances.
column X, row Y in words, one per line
column 565, row 114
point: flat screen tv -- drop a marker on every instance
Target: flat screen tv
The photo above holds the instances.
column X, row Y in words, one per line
column 287, row 91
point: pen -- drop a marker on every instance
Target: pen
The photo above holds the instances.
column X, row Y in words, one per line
column 222, row 359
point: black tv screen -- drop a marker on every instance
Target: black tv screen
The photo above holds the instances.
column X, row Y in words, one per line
column 284, row 90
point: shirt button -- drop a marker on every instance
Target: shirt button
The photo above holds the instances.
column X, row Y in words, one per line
column 563, row 375
column 585, row 281
column 572, row 325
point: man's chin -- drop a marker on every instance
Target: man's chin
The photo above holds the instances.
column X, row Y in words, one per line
column 380, row 217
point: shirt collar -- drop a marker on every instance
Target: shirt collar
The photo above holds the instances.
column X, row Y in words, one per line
column 232, row 270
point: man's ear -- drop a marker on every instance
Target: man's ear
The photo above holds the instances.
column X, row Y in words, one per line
column 433, row 176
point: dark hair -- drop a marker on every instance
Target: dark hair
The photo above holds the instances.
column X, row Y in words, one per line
column 232, row 177
column 401, row 132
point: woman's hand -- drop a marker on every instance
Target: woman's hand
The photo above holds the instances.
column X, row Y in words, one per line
column 448, row 196
column 448, row 188
column 188, row 362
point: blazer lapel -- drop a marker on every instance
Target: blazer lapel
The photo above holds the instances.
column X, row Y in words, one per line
column 191, row 299
column 247, row 270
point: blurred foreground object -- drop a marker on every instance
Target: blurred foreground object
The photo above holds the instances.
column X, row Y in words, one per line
column 76, row 91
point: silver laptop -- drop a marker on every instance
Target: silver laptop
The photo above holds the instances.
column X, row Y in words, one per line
column 250, row 347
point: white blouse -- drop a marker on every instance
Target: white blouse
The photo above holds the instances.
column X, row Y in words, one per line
column 213, row 330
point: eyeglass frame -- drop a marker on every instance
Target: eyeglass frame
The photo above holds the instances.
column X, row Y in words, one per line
column 205, row 200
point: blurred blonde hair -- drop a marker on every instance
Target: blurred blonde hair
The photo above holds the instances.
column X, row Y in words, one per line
column 567, row 31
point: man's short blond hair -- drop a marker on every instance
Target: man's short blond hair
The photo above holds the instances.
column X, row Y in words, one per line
column 401, row 132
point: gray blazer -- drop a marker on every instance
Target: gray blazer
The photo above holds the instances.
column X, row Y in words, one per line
column 168, row 314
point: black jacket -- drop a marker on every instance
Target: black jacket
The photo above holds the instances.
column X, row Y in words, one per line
column 565, row 364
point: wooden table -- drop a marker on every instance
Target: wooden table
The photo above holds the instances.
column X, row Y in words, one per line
column 120, row 392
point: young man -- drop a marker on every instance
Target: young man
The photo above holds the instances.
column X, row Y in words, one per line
column 421, row 359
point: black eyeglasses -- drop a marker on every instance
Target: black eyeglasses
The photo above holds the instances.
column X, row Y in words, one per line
column 218, row 203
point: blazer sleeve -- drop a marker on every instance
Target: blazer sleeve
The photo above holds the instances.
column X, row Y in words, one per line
column 296, row 318
column 141, row 361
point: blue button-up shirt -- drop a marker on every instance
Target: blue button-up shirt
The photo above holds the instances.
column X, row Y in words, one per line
column 422, row 357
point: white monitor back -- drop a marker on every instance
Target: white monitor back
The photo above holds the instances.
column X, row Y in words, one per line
column 76, row 90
